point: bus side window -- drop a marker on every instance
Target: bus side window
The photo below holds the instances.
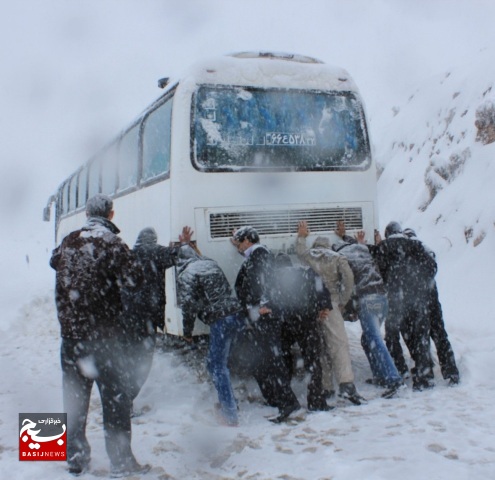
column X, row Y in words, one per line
column 82, row 188
column 72, row 193
column 93, row 178
column 65, row 198
column 109, row 170
column 128, row 161
column 156, row 141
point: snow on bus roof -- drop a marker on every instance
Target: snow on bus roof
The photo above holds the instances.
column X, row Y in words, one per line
column 268, row 69
column 293, row 57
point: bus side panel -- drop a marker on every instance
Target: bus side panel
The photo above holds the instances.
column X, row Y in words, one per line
column 146, row 207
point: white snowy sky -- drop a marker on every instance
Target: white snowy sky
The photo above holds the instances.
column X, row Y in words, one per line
column 75, row 73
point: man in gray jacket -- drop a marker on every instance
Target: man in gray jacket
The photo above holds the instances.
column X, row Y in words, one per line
column 372, row 307
column 337, row 276
column 204, row 292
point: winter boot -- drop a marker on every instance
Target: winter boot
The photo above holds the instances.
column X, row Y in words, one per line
column 284, row 413
column 349, row 392
column 392, row 390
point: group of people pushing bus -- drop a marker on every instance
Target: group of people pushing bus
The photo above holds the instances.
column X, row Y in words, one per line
column 111, row 301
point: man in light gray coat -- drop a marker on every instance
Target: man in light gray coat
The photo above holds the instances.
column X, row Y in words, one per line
column 337, row 276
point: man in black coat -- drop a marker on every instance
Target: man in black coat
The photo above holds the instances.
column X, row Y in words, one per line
column 92, row 266
column 408, row 272
column 438, row 332
column 300, row 298
column 144, row 306
column 252, row 289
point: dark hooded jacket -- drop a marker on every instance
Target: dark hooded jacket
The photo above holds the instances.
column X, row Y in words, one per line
column 92, row 267
column 146, row 305
column 405, row 265
column 203, row 290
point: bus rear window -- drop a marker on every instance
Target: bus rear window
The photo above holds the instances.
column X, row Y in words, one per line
column 238, row 128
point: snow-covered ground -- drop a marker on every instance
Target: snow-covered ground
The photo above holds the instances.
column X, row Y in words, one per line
column 444, row 433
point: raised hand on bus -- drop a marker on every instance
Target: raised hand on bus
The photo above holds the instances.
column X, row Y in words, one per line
column 378, row 237
column 302, row 228
column 360, row 236
column 340, row 230
column 186, row 235
column 232, row 238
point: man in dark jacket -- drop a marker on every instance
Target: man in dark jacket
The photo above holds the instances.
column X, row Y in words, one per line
column 252, row 288
column 408, row 272
column 204, row 292
column 144, row 306
column 92, row 266
column 299, row 297
column 438, row 332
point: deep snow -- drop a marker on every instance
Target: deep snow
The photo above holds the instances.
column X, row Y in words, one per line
column 445, row 433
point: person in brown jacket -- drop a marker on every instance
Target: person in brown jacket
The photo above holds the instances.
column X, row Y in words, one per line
column 337, row 276
column 92, row 266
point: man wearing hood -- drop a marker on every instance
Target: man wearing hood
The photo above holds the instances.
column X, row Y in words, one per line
column 204, row 292
column 92, row 266
column 408, row 272
column 337, row 276
column 144, row 307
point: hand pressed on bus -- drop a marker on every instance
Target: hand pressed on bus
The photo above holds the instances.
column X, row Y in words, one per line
column 378, row 237
column 360, row 236
column 340, row 230
column 233, row 239
column 186, row 235
column 302, row 229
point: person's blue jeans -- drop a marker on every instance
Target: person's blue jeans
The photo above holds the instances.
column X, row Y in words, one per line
column 222, row 333
column 372, row 313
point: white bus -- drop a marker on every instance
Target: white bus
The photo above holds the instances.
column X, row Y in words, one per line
column 261, row 139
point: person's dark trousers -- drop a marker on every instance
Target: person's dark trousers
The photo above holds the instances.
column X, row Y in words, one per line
column 139, row 355
column 392, row 332
column 415, row 330
column 408, row 316
column 270, row 370
column 408, row 312
column 304, row 332
column 83, row 363
column 288, row 338
column 440, row 338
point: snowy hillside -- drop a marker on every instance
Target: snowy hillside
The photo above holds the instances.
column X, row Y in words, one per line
column 429, row 158
column 438, row 179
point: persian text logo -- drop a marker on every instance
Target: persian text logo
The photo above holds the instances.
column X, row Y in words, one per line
column 43, row 436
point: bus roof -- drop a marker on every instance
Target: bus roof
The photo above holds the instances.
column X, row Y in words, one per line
column 268, row 69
